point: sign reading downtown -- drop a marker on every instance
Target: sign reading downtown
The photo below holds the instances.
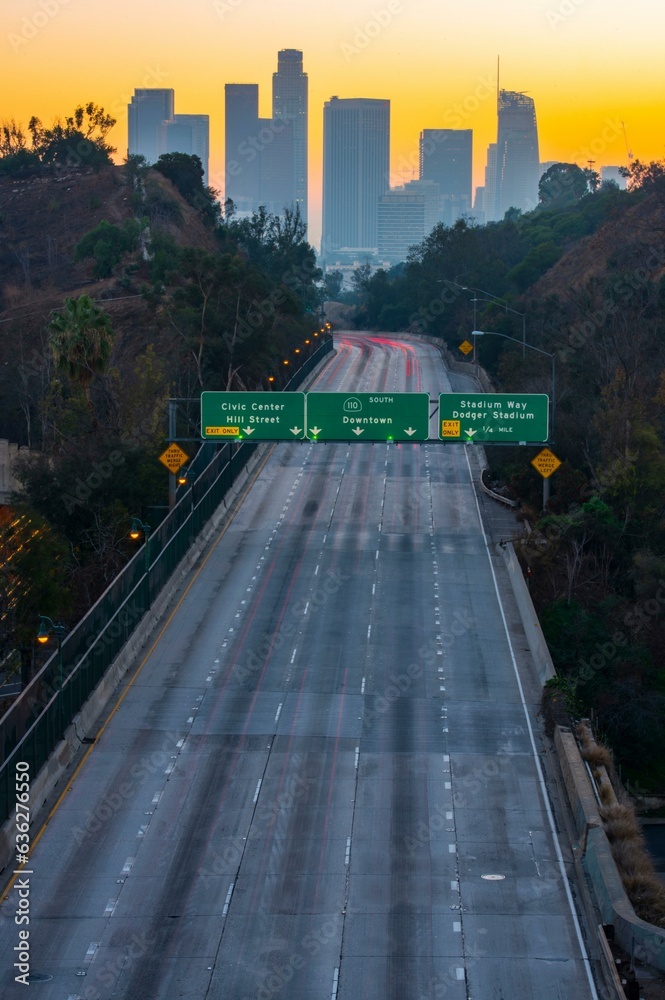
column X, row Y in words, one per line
column 496, row 417
column 253, row 416
column 501, row 418
column 368, row 416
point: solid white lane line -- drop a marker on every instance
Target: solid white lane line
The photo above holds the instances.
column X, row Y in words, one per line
column 534, row 750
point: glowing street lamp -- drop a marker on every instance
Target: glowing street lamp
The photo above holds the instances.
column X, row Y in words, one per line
column 47, row 628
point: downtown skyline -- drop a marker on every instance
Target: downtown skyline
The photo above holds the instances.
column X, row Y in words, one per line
column 588, row 67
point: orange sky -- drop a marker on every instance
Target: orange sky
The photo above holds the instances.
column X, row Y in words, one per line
column 589, row 65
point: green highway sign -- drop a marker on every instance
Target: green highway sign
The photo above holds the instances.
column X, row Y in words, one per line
column 496, row 417
column 253, row 416
column 368, row 416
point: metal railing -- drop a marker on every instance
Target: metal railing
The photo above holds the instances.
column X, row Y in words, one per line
column 38, row 718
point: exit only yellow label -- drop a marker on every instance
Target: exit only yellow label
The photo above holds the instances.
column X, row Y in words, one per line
column 451, row 428
column 223, row 431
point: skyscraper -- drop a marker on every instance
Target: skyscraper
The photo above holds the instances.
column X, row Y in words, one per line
column 446, row 158
column 289, row 101
column 356, row 172
column 149, row 107
column 517, row 158
column 187, row 134
column 242, row 145
column 407, row 215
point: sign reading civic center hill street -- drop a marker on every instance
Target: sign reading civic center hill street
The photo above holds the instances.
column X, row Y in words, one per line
column 497, row 417
column 253, row 416
column 368, row 416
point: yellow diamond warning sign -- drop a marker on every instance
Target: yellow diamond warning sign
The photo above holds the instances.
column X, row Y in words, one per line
column 451, row 428
column 465, row 347
column 174, row 458
column 545, row 463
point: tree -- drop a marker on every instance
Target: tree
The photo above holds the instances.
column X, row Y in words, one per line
column 332, row 285
column 79, row 140
column 107, row 244
column 81, row 338
column 561, row 185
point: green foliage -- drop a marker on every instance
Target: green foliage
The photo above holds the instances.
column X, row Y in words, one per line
column 77, row 141
column 107, row 244
column 561, row 185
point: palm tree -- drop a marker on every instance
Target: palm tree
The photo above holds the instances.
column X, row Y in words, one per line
column 81, row 339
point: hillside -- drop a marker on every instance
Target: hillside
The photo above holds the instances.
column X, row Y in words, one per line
column 630, row 241
column 42, row 220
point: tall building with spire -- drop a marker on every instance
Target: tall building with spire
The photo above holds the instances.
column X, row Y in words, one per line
column 289, row 102
column 517, row 156
column 356, row 172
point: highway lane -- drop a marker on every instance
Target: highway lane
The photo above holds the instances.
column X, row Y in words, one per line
column 322, row 759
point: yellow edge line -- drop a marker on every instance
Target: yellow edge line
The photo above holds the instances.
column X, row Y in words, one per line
column 38, row 836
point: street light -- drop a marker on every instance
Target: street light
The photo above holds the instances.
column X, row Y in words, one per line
column 493, row 298
column 552, row 357
column 46, row 628
column 137, row 529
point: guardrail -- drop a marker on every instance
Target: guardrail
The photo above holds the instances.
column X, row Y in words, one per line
column 38, row 718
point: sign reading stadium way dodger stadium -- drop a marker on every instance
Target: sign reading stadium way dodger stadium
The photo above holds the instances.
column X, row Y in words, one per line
column 253, row 416
column 368, row 416
column 497, row 417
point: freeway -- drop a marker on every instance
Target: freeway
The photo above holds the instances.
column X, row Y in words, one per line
column 322, row 781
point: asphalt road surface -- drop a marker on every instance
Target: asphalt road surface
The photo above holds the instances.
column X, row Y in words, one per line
column 322, row 783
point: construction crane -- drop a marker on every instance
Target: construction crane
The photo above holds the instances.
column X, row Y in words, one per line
column 625, row 136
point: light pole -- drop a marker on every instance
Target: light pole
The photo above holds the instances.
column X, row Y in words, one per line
column 138, row 528
column 552, row 357
column 46, row 628
column 491, row 299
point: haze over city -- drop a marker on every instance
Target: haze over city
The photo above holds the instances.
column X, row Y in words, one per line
column 588, row 67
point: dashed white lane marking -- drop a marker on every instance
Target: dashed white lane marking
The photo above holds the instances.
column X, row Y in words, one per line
column 369, row 631
column 293, row 654
column 228, row 900
column 110, row 907
column 278, row 712
column 156, row 797
column 142, row 830
column 454, row 885
column 333, row 995
column 127, row 867
column 90, row 953
column 258, row 789
column 348, row 851
column 357, row 757
column 316, row 571
column 306, row 607
column 459, row 973
column 362, row 686
column 457, row 927
column 452, row 848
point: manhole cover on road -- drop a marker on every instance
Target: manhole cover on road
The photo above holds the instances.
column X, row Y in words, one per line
column 38, row 977
column 493, row 878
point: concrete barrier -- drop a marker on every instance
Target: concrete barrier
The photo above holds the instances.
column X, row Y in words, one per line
column 580, row 793
column 534, row 633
